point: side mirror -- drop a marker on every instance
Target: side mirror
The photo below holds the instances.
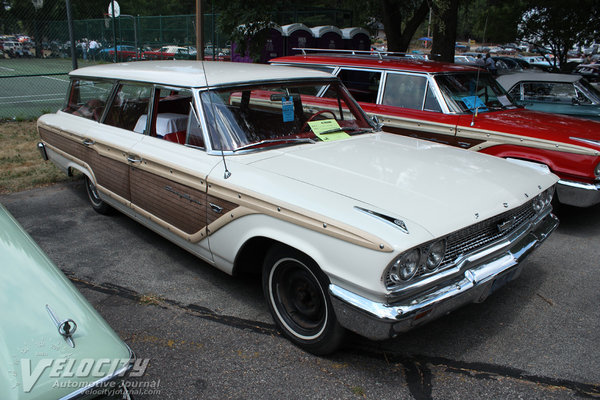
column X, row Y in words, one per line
column 575, row 101
column 378, row 125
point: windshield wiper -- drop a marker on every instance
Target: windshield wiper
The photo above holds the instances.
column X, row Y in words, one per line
column 271, row 141
column 347, row 129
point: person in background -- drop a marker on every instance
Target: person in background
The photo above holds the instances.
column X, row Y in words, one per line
column 479, row 61
column 84, row 49
column 490, row 64
column 93, row 49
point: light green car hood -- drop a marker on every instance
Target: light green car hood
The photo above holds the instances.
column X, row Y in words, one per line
column 35, row 360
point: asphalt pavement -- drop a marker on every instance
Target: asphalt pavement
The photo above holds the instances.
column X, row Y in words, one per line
column 207, row 335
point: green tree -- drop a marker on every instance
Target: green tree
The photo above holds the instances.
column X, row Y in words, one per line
column 559, row 25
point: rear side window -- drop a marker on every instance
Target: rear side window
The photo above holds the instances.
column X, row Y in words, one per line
column 407, row 91
column 363, row 85
column 88, row 98
column 129, row 108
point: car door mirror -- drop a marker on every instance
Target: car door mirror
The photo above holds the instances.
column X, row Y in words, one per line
column 575, row 101
column 378, row 125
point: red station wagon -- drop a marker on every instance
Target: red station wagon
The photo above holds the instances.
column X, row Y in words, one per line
column 464, row 106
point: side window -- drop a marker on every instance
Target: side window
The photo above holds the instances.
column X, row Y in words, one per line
column 431, row 103
column 550, row 92
column 88, row 98
column 194, row 131
column 407, row 91
column 129, row 108
column 363, row 85
column 171, row 114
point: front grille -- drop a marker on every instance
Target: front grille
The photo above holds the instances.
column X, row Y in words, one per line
column 477, row 236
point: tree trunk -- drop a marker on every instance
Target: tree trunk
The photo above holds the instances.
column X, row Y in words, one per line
column 412, row 25
column 444, row 30
column 392, row 24
column 397, row 39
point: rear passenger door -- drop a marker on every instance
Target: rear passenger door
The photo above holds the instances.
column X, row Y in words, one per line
column 409, row 105
column 168, row 184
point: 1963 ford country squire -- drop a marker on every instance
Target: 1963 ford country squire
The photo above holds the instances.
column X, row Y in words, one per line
column 243, row 166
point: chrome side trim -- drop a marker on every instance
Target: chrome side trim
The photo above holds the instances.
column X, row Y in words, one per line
column 395, row 222
column 81, row 393
column 578, row 194
column 377, row 320
column 586, row 141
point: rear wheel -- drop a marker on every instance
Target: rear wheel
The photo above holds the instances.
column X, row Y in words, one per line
column 296, row 291
column 97, row 204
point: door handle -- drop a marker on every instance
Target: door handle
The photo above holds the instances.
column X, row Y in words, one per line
column 134, row 159
column 88, row 142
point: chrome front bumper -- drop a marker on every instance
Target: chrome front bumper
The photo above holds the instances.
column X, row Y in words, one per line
column 380, row 321
column 578, row 194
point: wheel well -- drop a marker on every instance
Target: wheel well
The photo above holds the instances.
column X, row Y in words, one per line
column 250, row 258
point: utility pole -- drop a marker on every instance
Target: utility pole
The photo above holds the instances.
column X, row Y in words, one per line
column 71, row 34
column 199, row 32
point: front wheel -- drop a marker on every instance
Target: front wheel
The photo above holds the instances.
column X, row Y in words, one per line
column 97, row 204
column 296, row 291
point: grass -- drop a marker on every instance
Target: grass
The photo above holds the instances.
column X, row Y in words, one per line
column 21, row 166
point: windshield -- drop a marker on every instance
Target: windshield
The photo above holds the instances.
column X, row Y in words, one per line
column 256, row 117
column 472, row 92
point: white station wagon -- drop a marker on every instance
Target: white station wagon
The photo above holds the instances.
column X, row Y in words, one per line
column 243, row 166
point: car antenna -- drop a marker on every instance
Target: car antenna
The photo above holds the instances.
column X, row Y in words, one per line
column 477, row 80
column 227, row 173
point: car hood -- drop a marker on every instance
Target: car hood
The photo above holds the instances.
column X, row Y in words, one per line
column 30, row 345
column 537, row 125
column 438, row 187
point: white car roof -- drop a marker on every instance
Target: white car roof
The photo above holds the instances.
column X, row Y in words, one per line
column 509, row 80
column 196, row 73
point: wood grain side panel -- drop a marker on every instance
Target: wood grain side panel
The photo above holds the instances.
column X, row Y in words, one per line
column 69, row 146
column 176, row 204
column 111, row 174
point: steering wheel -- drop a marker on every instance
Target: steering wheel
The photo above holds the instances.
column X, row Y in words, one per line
column 312, row 117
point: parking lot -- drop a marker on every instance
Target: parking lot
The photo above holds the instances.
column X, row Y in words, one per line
column 209, row 335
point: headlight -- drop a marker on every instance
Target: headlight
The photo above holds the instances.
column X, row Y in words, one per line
column 436, row 254
column 543, row 200
column 538, row 204
column 405, row 266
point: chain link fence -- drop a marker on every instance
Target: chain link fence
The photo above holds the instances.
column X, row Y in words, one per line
column 35, row 50
column 34, row 72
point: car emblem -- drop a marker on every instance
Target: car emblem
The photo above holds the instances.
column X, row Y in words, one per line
column 66, row 328
column 507, row 225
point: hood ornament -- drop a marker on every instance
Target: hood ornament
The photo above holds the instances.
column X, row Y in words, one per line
column 397, row 223
column 66, row 328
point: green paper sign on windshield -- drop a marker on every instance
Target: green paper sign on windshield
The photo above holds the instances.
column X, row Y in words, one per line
column 328, row 130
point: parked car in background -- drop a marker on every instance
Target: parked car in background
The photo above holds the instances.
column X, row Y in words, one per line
column 507, row 65
column 591, row 72
column 464, row 106
column 245, row 166
column 48, row 326
column 464, row 59
column 556, row 93
column 13, row 48
column 540, row 62
column 171, row 53
column 124, row 53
